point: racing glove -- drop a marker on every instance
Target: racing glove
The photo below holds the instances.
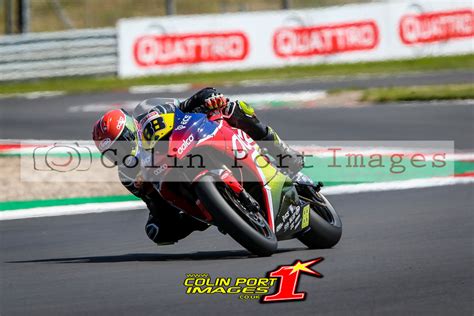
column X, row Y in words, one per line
column 215, row 101
column 207, row 98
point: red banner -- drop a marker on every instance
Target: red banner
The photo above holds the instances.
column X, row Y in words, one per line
column 326, row 39
column 161, row 50
column 436, row 26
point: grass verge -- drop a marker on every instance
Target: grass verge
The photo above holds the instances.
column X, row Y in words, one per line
column 96, row 84
column 420, row 93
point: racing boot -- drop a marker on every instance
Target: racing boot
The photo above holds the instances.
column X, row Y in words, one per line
column 287, row 159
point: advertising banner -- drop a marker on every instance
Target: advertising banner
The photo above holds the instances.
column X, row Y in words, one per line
column 351, row 33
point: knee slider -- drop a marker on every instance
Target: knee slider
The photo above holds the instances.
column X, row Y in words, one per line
column 152, row 231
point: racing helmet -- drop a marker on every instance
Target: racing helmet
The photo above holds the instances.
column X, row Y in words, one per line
column 116, row 135
column 155, row 126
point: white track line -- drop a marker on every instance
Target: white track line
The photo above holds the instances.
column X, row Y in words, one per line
column 396, row 185
column 182, row 87
column 71, row 210
column 259, row 98
column 34, row 95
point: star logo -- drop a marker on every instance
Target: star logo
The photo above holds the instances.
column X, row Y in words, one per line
column 303, row 267
column 289, row 278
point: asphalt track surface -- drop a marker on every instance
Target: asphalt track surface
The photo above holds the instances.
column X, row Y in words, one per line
column 402, row 252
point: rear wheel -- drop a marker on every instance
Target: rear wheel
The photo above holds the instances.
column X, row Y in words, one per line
column 325, row 226
column 248, row 228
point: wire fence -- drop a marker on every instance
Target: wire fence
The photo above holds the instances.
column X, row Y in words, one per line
column 57, row 15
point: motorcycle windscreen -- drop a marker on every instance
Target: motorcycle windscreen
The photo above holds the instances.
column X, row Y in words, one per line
column 161, row 105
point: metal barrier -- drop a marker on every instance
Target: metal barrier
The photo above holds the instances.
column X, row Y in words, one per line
column 58, row 54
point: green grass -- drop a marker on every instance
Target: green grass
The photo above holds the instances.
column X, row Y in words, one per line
column 94, row 84
column 420, row 93
column 15, row 205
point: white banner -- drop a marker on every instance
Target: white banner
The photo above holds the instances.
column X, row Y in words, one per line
column 351, row 33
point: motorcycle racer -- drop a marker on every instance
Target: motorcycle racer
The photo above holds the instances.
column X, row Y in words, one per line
column 119, row 137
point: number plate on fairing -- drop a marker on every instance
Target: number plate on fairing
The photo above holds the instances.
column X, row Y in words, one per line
column 305, row 220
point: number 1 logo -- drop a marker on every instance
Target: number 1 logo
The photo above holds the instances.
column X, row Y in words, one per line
column 289, row 278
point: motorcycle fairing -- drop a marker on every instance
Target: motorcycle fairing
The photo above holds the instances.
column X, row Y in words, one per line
column 193, row 130
column 287, row 209
column 189, row 130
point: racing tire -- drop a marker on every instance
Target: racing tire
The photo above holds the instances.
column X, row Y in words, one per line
column 324, row 231
column 227, row 218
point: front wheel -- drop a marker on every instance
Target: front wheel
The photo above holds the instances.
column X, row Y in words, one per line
column 325, row 226
column 250, row 229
